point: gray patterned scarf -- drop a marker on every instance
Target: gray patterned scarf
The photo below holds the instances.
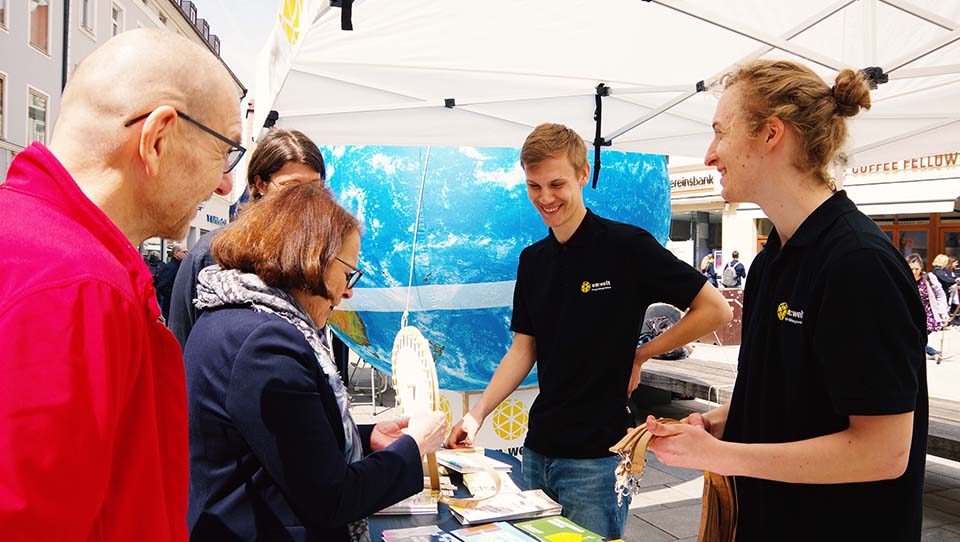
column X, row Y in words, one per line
column 218, row 287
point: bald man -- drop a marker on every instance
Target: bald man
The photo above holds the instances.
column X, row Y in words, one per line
column 93, row 422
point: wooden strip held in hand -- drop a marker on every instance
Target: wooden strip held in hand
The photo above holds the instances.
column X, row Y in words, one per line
column 635, row 445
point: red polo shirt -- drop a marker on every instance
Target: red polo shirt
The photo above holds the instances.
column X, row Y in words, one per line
column 93, row 417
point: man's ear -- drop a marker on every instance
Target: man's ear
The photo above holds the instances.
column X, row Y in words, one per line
column 156, row 138
column 584, row 174
column 772, row 132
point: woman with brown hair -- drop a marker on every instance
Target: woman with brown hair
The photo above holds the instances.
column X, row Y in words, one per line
column 274, row 451
column 933, row 298
column 282, row 158
column 827, row 426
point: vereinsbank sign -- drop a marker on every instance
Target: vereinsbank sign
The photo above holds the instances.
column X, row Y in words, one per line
column 690, row 183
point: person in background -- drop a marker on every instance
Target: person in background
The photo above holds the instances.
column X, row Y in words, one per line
column 708, row 269
column 274, row 451
column 282, row 158
column 164, row 283
column 826, row 430
column 934, row 300
column 579, row 300
column 734, row 272
column 944, row 269
column 93, row 410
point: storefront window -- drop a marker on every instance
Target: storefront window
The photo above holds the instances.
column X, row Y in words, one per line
column 951, row 243
column 914, row 242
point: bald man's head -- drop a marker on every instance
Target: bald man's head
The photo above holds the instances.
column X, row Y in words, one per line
column 164, row 164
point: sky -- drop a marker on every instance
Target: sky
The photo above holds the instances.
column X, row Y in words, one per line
column 243, row 27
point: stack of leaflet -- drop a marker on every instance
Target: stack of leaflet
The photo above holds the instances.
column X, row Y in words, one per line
column 557, row 528
column 427, row 533
column 482, row 484
column 470, row 460
column 424, row 502
column 492, row 532
column 506, row 506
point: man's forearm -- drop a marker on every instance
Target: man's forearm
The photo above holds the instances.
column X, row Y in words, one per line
column 708, row 311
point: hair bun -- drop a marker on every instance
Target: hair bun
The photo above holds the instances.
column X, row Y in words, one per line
column 851, row 92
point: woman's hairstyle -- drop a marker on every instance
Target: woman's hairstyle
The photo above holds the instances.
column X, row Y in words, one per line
column 705, row 261
column 550, row 141
column 275, row 150
column 799, row 97
column 941, row 260
column 915, row 258
column 289, row 239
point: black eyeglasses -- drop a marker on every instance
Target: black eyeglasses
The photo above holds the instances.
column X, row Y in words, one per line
column 353, row 276
column 233, row 155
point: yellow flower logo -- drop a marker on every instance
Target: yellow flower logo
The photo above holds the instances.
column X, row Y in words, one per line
column 585, row 287
column 290, row 19
column 510, row 420
column 782, row 310
column 445, row 408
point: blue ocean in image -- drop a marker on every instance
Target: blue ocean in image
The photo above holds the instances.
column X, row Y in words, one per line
column 474, row 220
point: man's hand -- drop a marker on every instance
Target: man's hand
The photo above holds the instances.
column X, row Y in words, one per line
column 464, row 432
column 385, row 433
column 634, row 376
column 682, row 445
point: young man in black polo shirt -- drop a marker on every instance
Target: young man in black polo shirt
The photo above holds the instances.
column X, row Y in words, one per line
column 826, row 431
column 580, row 296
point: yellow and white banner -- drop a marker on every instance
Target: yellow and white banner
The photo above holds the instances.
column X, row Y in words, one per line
column 505, row 428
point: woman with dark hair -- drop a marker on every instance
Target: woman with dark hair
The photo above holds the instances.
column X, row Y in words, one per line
column 933, row 297
column 282, row 158
column 274, row 451
column 827, row 426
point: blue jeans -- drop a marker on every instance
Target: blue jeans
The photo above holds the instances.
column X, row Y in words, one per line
column 584, row 487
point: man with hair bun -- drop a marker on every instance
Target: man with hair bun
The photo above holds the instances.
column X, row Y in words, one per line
column 826, row 431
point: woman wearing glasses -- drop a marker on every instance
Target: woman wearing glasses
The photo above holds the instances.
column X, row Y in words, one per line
column 274, row 452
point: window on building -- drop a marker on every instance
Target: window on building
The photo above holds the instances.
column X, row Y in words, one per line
column 37, row 117
column 40, row 24
column 163, row 19
column 116, row 20
column 3, row 13
column 86, row 14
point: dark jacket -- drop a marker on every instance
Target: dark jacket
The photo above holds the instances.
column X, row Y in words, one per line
column 183, row 314
column 165, row 284
column 266, row 439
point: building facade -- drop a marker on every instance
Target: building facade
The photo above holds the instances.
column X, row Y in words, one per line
column 41, row 44
column 915, row 201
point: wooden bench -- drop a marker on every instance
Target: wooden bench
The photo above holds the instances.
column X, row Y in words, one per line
column 713, row 381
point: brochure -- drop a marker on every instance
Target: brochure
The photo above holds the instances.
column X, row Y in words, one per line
column 491, row 532
column 480, row 483
column 469, row 461
column 558, row 528
column 424, row 502
column 533, row 503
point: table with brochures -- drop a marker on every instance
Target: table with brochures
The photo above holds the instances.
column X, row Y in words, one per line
column 444, row 519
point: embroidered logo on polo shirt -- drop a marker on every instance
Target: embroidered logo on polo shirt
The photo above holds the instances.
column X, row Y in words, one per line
column 587, row 286
column 785, row 313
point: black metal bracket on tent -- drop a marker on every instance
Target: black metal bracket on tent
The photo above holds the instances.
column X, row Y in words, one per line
column 449, row 103
column 598, row 140
column 701, row 86
column 875, row 76
column 272, row 117
column 346, row 13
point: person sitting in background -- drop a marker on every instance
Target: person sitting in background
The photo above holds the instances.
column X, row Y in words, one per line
column 274, row 451
column 282, row 158
column 933, row 298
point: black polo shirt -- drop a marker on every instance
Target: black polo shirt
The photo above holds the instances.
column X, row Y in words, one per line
column 832, row 327
column 583, row 302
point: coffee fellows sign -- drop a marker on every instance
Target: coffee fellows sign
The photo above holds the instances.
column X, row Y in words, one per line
column 933, row 161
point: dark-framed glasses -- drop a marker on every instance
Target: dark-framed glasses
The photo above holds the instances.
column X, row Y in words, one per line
column 353, row 276
column 234, row 154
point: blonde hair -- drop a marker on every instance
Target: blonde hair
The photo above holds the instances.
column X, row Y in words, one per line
column 941, row 260
column 796, row 95
column 704, row 261
column 550, row 141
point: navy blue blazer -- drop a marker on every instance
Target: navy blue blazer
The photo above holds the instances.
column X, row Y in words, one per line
column 266, row 440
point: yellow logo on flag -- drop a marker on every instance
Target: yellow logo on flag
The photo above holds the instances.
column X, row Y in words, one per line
column 782, row 310
column 290, row 19
column 510, row 420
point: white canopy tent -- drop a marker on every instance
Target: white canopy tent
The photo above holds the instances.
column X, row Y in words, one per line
column 459, row 72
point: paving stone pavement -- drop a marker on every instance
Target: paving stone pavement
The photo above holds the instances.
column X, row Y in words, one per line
column 668, row 508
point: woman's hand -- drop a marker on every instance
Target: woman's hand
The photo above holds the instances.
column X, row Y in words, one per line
column 429, row 430
column 386, row 433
